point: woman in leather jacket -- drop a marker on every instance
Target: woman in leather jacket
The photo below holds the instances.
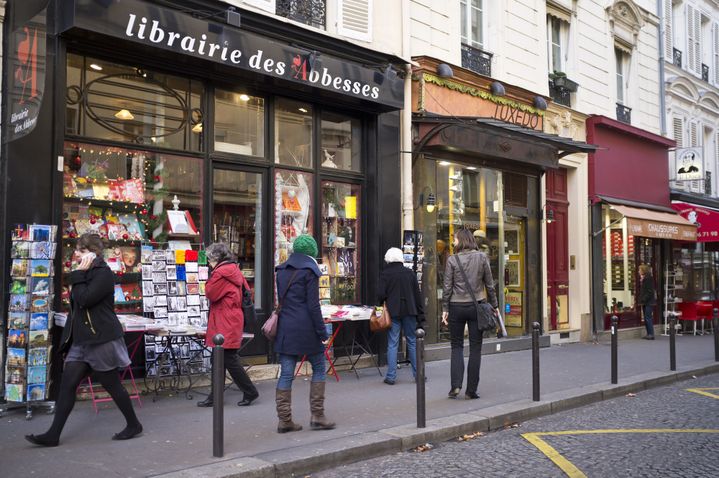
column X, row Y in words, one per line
column 92, row 341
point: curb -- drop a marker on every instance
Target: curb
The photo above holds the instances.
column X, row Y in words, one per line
column 301, row 460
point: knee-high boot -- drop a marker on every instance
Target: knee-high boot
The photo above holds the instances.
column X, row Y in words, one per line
column 317, row 407
column 283, row 399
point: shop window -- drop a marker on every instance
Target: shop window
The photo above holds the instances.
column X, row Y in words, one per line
column 620, row 269
column 340, row 243
column 123, row 103
column 293, row 133
column 515, row 190
column 239, row 123
column 341, row 142
column 237, row 221
column 128, row 196
column 293, row 210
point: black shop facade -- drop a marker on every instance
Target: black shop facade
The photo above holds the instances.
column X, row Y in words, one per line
column 166, row 129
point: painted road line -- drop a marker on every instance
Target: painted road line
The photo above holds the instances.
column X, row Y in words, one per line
column 703, row 391
column 568, row 467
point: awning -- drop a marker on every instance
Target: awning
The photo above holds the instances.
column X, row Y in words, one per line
column 706, row 219
column 659, row 225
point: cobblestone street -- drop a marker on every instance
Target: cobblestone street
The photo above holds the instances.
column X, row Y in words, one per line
column 631, row 439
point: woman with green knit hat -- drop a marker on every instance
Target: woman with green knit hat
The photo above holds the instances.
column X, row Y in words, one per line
column 300, row 331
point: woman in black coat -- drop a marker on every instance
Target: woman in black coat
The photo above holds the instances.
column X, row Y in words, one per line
column 300, row 331
column 399, row 289
column 647, row 299
column 93, row 341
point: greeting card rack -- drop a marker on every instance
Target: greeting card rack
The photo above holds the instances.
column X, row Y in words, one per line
column 28, row 343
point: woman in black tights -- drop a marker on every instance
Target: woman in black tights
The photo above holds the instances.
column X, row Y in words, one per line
column 92, row 340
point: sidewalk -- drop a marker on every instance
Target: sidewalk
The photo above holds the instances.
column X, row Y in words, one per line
column 373, row 418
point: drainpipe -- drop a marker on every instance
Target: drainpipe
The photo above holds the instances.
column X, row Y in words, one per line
column 662, row 86
column 406, row 129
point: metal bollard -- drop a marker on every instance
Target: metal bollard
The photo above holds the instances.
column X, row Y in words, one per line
column 218, row 391
column 535, row 361
column 715, row 324
column 421, row 402
column 615, row 346
column 672, row 343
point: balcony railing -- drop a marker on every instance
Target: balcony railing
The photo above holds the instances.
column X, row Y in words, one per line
column 309, row 12
column 624, row 113
column 708, row 183
column 705, row 72
column 476, row 60
column 677, row 56
column 560, row 95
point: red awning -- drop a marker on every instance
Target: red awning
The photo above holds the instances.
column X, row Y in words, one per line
column 706, row 219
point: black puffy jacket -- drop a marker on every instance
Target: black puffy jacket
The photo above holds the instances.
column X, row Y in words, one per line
column 92, row 318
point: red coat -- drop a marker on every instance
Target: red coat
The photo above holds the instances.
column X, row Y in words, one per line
column 224, row 291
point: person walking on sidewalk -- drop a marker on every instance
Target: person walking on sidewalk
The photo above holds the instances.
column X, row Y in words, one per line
column 398, row 288
column 647, row 299
column 300, row 332
column 224, row 291
column 92, row 341
column 459, row 309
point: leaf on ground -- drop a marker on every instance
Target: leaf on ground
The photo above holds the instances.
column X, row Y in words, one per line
column 631, row 395
column 423, row 448
column 470, row 436
column 512, row 425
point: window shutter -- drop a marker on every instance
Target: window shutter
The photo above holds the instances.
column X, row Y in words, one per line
column 266, row 5
column 668, row 31
column 693, row 134
column 694, row 52
column 355, row 19
column 715, row 56
column 679, row 131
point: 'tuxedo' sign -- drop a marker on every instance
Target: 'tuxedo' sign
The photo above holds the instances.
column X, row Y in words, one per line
column 163, row 28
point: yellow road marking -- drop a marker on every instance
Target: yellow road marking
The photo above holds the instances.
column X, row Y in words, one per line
column 703, row 391
column 568, row 467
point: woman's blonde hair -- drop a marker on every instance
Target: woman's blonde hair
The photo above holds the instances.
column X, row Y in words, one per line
column 645, row 270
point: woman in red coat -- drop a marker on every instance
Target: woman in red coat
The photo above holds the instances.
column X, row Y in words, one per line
column 224, row 291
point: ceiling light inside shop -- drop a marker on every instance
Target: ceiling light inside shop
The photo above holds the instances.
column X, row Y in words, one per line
column 303, row 110
column 472, row 168
column 124, row 114
column 96, row 67
column 197, row 128
column 244, row 97
column 444, row 163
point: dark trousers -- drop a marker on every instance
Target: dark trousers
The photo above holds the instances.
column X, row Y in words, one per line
column 459, row 315
column 238, row 374
column 648, row 319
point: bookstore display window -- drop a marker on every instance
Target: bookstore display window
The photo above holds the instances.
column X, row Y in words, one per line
column 293, row 210
column 128, row 196
column 237, row 221
column 340, row 242
column 239, row 123
column 293, row 133
column 107, row 101
column 341, row 140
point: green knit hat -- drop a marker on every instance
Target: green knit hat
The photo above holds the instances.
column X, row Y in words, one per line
column 305, row 244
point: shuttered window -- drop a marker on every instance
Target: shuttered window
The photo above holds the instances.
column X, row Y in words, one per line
column 668, row 31
column 266, row 5
column 355, row 19
column 695, row 141
column 678, row 126
column 694, row 46
column 715, row 53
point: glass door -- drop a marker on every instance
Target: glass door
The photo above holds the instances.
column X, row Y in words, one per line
column 237, row 221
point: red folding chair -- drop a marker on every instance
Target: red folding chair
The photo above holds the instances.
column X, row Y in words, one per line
column 689, row 312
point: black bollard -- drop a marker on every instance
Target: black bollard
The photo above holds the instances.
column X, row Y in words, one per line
column 421, row 402
column 218, row 390
column 715, row 324
column 672, row 343
column 535, row 361
column 615, row 346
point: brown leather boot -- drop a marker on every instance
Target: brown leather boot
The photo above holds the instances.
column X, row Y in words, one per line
column 317, row 407
column 283, row 398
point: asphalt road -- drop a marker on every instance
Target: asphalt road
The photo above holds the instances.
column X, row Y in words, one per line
column 668, row 432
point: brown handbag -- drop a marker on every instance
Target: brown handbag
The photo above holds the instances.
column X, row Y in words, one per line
column 380, row 323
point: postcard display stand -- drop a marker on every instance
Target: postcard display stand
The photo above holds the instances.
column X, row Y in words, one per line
column 29, row 317
column 173, row 292
column 413, row 249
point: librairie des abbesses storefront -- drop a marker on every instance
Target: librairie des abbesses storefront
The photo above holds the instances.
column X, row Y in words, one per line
column 254, row 141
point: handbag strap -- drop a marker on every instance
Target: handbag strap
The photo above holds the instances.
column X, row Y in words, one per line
column 464, row 274
column 282, row 299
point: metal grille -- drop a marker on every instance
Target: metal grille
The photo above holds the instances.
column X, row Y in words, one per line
column 476, row 60
column 309, row 12
column 708, row 183
column 677, row 55
column 624, row 113
column 705, row 72
column 559, row 95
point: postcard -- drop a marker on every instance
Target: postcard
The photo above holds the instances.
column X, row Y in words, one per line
column 159, row 266
column 19, row 232
column 146, row 272
column 40, row 304
column 37, row 357
column 160, row 288
column 147, row 288
column 15, row 375
column 193, row 289
column 14, row 393
column 40, row 267
column 15, row 356
column 159, row 277
column 161, row 301
column 18, row 286
column 181, row 273
column 41, row 233
column 181, row 287
column 160, row 312
column 20, row 250
column 119, row 294
column 146, row 254
column 170, row 256
column 130, row 259
column 40, row 286
column 191, row 267
column 324, row 281
column 36, row 392
column 203, row 273
column 18, row 303
column 18, row 320
column 181, row 303
column 193, row 310
column 148, row 303
column 38, row 338
column 172, row 304
column 324, row 293
column 42, row 250
column 204, row 303
column 193, row 300
column 19, row 267
column 37, row 374
column 171, row 287
column 202, row 288
column 158, row 255
column 171, row 272
column 39, row 321
column 16, row 338
column 192, row 277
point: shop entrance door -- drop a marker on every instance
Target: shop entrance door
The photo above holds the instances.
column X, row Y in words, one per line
column 237, row 220
column 557, row 226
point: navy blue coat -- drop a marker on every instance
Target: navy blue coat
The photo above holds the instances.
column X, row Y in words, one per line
column 300, row 328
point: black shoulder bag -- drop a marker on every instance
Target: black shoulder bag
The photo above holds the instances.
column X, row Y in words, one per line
column 485, row 312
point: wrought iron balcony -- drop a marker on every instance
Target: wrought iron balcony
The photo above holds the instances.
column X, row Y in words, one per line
column 624, row 113
column 309, row 12
column 705, row 72
column 476, row 60
column 559, row 94
column 677, row 56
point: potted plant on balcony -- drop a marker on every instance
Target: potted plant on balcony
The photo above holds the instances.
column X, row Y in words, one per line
column 560, row 80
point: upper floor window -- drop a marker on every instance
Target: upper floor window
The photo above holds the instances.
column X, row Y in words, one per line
column 472, row 18
column 555, row 44
column 620, row 73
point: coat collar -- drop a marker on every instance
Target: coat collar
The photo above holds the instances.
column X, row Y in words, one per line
column 301, row 261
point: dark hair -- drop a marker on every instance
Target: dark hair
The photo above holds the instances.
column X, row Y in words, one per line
column 465, row 241
column 219, row 252
column 92, row 242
